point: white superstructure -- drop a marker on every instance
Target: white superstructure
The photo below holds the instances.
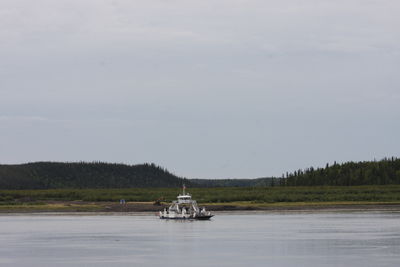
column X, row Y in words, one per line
column 185, row 208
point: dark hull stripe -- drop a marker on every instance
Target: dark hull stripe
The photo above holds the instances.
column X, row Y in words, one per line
column 197, row 218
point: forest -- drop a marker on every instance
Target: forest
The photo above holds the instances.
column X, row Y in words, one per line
column 383, row 172
column 58, row 175
column 92, row 175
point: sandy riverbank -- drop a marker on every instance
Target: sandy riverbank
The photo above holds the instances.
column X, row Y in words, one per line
column 81, row 206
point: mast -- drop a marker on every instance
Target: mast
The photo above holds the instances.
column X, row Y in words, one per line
column 183, row 189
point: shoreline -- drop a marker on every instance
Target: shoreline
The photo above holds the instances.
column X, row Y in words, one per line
column 142, row 207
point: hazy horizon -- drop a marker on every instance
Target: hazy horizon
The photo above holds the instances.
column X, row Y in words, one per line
column 209, row 89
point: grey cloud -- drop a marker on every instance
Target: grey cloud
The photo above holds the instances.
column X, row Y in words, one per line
column 205, row 88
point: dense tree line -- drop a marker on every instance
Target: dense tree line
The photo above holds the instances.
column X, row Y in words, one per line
column 383, row 172
column 58, row 175
column 49, row 175
column 236, row 182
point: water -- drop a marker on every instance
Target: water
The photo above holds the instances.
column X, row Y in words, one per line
column 237, row 239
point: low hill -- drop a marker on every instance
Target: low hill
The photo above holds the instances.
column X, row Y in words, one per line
column 52, row 175
column 383, row 172
column 47, row 175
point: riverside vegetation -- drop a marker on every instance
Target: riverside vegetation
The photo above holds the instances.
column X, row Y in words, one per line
column 379, row 193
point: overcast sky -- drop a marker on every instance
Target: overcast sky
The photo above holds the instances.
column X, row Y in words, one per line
column 207, row 89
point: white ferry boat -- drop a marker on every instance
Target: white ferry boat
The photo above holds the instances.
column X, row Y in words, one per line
column 185, row 208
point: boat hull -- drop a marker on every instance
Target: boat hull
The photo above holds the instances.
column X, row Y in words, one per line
column 205, row 217
column 175, row 218
column 201, row 218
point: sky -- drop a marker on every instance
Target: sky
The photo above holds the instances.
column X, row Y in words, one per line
column 206, row 89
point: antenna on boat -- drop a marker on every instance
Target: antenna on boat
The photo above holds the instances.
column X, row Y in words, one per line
column 183, row 189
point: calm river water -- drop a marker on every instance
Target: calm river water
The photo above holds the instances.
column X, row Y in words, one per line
column 234, row 239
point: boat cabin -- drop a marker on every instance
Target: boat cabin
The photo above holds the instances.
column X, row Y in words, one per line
column 182, row 199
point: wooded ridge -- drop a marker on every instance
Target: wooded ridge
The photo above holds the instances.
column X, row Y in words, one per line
column 58, row 175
